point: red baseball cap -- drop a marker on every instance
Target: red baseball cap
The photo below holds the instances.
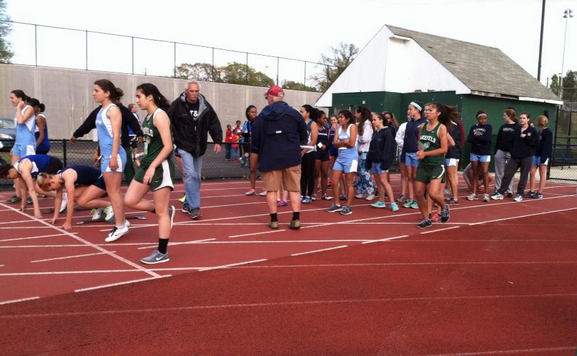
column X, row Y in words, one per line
column 275, row 90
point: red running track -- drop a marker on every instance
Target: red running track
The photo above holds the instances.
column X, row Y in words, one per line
column 498, row 279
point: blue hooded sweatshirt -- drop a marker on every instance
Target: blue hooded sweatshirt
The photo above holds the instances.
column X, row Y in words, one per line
column 277, row 134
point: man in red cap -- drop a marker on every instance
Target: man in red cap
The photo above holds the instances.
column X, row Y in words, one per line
column 277, row 134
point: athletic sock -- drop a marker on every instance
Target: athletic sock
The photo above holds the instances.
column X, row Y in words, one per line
column 273, row 217
column 162, row 245
column 296, row 215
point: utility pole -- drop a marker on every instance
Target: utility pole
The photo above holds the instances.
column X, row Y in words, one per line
column 541, row 40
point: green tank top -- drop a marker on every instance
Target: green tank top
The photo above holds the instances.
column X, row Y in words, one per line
column 429, row 141
column 152, row 140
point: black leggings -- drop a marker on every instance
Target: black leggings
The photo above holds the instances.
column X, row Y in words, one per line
column 511, row 168
column 308, row 174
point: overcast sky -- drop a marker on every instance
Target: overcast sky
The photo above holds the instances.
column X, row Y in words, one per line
column 301, row 29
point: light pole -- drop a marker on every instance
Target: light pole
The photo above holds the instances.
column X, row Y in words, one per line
column 568, row 14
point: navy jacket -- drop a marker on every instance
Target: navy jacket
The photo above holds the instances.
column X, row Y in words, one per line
column 382, row 149
column 455, row 151
column 545, row 145
column 411, row 143
column 277, row 134
column 128, row 120
column 505, row 137
column 524, row 146
column 480, row 139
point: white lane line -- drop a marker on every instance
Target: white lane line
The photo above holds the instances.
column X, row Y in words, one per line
column 16, row 222
column 69, row 257
column 522, row 216
column 439, row 230
column 31, row 237
column 178, row 243
column 386, row 239
column 317, row 251
column 22, row 227
column 411, row 264
column 87, row 243
column 18, row 300
column 232, row 265
column 509, row 352
column 57, row 273
column 257, row 233
column 284, row 304
column 120, row 283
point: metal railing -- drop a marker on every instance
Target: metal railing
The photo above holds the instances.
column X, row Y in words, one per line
column 86, row 50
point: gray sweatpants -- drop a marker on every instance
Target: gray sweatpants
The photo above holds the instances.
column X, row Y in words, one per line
column 501, row 159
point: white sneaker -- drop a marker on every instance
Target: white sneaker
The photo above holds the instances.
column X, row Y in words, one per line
column 64, row 202
column 97, row 214
column 486, row 198
column 263, row 193
column 370, row 197
column 117, row 233
column 359, row 196
column 472, row 196
column 109, row 218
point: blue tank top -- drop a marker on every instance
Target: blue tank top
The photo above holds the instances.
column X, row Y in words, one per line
column 351, row 153
column 25, row 132
column 86, row 175
column 39, row 164
column 45, row 144
column 104, row 129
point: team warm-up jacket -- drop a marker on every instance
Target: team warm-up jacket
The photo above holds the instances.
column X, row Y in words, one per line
column 545, row 146
column 480, row 139
column 524, row 146
column 382, row 149
column 127, row 120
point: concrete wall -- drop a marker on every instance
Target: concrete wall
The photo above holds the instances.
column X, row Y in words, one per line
column 67, row 94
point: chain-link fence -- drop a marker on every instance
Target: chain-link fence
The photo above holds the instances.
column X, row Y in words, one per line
column 214, row 166
column 564, row 159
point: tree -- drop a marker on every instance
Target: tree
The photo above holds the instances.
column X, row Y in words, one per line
column 334, row 64
column 569, row 86
column 5, row 28
column 239, row 73
column 290, row 84
column 199, row 71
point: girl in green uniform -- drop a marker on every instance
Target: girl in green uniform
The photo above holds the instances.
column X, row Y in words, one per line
column 156, row 169
column 433, row 144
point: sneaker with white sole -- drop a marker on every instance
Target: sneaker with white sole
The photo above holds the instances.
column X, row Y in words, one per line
column 379, row 205
column 334, row 208
column 117, row 232
column 486, row 198
column 183, row 199
column 97, row 214
column 359, row 196
column 414, row 205
column 109, row 217
column 250, row 192
column 518, row 198
column 394, row 206
column 346, row 210
column 472, row 196
column 370, row 197
column 155, row 257
column 426, row 223
column 497, row 196
column 445, row 216
column 263, row 193
column 64, row 202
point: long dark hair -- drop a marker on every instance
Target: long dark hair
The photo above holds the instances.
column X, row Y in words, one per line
column 365, row 115
column 348, row 115
column 420, row 104
column 20, row 94
column 394, row 121
column 159, row 99
column 35, row 103
column 106, row 85
column 449, row 114
column 247, row 111
column 313, row 112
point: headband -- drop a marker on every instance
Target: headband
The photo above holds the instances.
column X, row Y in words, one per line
column 481, row 114
column 416, row 105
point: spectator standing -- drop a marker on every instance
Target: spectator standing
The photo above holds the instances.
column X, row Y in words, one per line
column 277, row 135
column 541, row 159
column 193, row 118
column 480, row 140
column 503, row 148
column 41, row 134
column 227, row 142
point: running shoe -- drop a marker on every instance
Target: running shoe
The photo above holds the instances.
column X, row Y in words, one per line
column 359, row 196
column 518, row 198
column 425, row 224
column 185, row 209
column 295, row 224
column 155, row 257
column 379, row 205
column 183, row 199
column 401, row 199
column 306, row 200
column 250, row 192
column 314, row 197
column 414, row 205
column 273, row 225
column 327, row 197
column 281, row 203
column 394, row 207
column 497, row 196
column 342, row 197
column 486, row 198
column 370, row 197
column 538, row 195
column 445, row 216
column 472, row 196
column 447, row 192
column 109, row 214
column 29, row 201
column 334, row 208
column 346, row 210
column 195, row 213
column 96, row 214
column 13, row 200
column 171, row 212
column 529, row 194
column 408, row 203
column 509, row 195
column 117, row 233
column 64, row 202
column 434, row 217
column 451, row 201
column 263, row 193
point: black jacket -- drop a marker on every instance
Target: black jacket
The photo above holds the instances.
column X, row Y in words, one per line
column 127, row 120
column 455, row 151
column 480, row 139
column 277, row 134
column 545, row 145
column 188, row 135
column 505, row 137
column 524, row 146
column 382, row 149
